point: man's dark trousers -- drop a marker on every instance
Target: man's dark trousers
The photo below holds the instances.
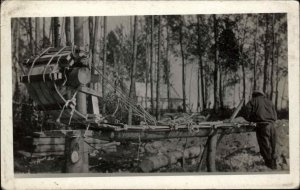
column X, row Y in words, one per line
column 266, row 137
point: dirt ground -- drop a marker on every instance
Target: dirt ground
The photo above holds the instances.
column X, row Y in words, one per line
column 235, row 153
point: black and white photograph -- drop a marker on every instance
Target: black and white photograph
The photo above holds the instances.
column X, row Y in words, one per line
column 151, row 94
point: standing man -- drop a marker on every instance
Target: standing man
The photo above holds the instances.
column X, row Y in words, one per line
column 262, row 111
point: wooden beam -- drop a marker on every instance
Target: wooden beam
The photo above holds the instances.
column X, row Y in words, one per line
column 211, row 154
column 39, row 78
column 90, row 91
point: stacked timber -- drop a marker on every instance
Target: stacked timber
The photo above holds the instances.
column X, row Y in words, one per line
column 45, row 145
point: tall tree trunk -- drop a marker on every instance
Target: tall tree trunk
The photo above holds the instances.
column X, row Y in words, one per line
column 255, row 51
column 241, row 52
column 158, row 70
column 56, row 31
column 44, row 29
column 147, row 64
column 244, row 82
column 168, row 70
column 68, row 31
column 146, row 72
column 200, row 71
column 91, row 46
column 96, row 57
column 205, row 87
column 183, row 66
column 37, row 33
column 221, row 87
column 133, row 69
column 198, row 89
column 216, row 70
column 30, row 37
column 15, row 57
column 272, row 58
column 92, row 40
column 104, row 64
column 265, row 82
column 151, row 64
column 277, row 77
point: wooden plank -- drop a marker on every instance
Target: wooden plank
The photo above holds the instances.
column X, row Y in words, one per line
column 40, row 154
column 45, row 59
column 61, row 141
column 90, row 91
column 48, row 141
column 39, row 78
column 95, row 141
column 156, row 135
column 49, row 148
column 95, row 104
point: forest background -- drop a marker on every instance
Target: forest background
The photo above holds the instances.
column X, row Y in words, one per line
column 185, row 62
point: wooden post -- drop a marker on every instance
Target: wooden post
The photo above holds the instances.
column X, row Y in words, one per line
column 211, row 153
column 76, row 153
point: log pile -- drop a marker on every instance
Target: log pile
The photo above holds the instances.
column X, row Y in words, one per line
column 159, row 154
column 155, row 162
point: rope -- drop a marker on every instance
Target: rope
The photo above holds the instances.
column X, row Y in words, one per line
column 51, row 60
column 30, row 70
column 61, row 96
column 129, row 102
column 69, row 103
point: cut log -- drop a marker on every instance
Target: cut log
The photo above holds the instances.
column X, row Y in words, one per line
column 76, row 153
column 156, row 162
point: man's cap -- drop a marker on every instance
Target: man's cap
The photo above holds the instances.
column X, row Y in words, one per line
column 258, row 92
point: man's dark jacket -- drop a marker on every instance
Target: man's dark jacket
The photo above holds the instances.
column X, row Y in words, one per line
column 261, row 109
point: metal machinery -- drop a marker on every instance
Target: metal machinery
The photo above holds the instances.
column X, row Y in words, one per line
column 58, row 80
